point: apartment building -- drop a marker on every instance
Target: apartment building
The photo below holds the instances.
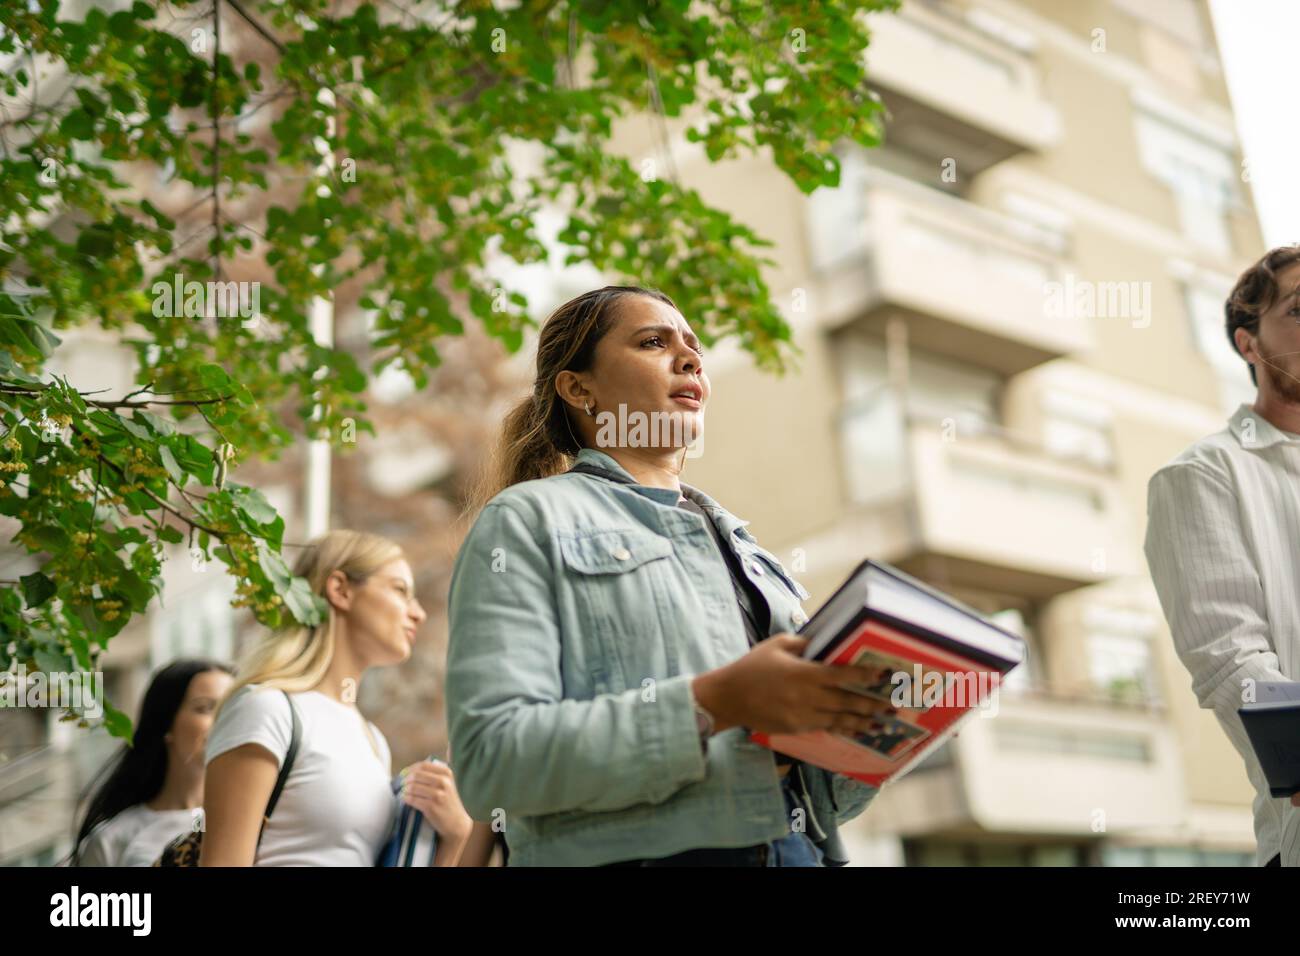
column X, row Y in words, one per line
column 1010, row 315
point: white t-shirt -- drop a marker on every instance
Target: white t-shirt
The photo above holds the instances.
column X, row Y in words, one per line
column 136, row 836
column 337, row 807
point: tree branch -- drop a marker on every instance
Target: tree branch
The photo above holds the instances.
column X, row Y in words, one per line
column 161, row 503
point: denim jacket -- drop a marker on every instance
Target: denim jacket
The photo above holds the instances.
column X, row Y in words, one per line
column 580, row 609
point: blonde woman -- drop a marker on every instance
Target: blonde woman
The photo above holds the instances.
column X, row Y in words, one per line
column 337, row 806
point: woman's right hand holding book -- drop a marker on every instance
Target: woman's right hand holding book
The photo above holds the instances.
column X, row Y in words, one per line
column 774, row 690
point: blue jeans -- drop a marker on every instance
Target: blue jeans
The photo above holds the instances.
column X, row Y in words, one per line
column 794, row 849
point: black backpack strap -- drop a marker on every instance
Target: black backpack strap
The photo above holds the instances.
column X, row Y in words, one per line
column 295, row 738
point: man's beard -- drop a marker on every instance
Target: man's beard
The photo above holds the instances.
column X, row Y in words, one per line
column 1284, row 380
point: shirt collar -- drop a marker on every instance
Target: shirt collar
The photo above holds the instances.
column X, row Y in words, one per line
column 664, row 496
column 1253, row 430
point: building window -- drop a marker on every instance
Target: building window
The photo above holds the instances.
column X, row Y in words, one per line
column 1069, row 742
column 837, row 217
column 205, row 628
column 874, row 422
column 1173, row 856
column 917, row 168
column 1176, row 18
column 1120, row 667
column 1205, row 314
column 1203, row 297
column 1077, row 427
column 1038, row 222
column 1200, row 172
column 1120, row 664
column 935, row 852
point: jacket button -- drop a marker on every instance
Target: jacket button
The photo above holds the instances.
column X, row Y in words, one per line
column 621, row 553
column 799, row 617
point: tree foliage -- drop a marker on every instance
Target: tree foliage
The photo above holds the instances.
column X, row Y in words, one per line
column 394, row 161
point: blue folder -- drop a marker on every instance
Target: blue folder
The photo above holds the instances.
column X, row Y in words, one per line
column 413, row 841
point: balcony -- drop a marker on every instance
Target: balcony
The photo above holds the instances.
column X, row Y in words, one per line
column 958, row 89
column 1096, row 768
column 969, row 505
column 967, row 281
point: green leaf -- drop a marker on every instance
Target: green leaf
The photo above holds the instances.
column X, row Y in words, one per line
column 122, row 102
column 139, row 431
column 171, row 535
column 37, row 588
column 80, row 649
column 50, row 537
column 89, row 101
column 135, row 588
column 160, row 425
column 117, row 723
column 253, row 504
column 214, row 376
column 173, row 467
column 78, row 124
column 122, row 24
column 275, row 569
column 96, row 242
column 307, row 607
column 27, row 336
column 52, row 661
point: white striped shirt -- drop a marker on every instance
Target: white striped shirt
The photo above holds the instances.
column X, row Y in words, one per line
column 1223, row 543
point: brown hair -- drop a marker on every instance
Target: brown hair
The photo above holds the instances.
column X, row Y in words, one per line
column 1255, row 292
column 536, row 439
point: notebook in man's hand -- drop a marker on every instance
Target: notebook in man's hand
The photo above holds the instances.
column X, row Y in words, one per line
column 1272, row 723
column 936, row 660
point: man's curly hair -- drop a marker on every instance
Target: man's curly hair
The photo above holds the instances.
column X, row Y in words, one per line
column 1255, row 292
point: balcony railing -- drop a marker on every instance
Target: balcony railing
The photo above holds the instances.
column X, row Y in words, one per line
column 969, row 282
column 955, row 90
column 1045, row 765
column 978, row 507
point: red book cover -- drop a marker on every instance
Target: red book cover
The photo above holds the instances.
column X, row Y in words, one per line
column 942, row 688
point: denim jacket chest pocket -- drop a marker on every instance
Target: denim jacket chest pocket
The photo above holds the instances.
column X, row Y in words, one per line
column 620, row 582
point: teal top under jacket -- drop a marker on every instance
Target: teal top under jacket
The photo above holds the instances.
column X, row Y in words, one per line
column 579, row 610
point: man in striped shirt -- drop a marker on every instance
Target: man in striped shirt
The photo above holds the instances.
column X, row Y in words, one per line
column 1223, row 534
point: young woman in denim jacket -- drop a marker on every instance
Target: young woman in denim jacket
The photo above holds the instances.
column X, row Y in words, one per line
column 604, row 672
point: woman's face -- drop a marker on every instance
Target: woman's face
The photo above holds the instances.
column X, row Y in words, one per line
column 650, row 362
column 383, row 615
column 189, row 733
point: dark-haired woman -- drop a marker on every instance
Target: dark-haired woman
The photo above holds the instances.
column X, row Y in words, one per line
column 615, row 633
column 152, row 790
